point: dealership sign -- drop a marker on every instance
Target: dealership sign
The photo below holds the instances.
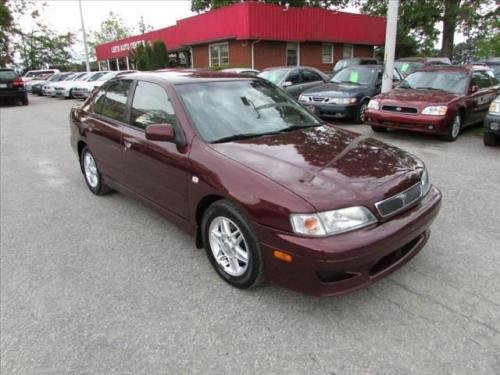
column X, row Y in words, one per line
column 126, row 46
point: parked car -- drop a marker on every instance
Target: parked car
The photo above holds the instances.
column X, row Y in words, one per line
column 39, row 79
column 248, row 71
column 37, row 86
column 437, row 100
column 66, row 89
column 294, row 79
column 493, row 63
column 32, row 74
column 348, row 92
column 48, row 89
column 408, row 65
column 492, row 124
column 271, row 191
column 12, row 86
column 344, row 63
column 84, row 89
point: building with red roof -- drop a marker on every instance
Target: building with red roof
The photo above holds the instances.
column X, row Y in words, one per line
column 258, row 35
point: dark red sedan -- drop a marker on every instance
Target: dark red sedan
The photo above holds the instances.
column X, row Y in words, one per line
column 269, row 190
column 439, row 100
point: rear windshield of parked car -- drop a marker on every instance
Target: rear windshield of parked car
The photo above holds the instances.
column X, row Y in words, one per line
column 455, row 82
column 7, row 74
column 275, row 76
column 407, row 67
column 224, row 109
column 356, row 76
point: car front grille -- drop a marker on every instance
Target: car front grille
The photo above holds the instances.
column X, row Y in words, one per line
column 59, row 88
column 400, row 201
column 319, row 99
column 395, row 108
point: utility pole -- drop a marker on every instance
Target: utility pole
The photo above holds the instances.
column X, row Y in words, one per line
column 84, row 38
column 390, row 44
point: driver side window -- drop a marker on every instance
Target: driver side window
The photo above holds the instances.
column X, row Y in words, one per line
column 294, row 77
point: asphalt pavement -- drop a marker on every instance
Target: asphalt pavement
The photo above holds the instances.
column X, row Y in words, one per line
column 105, row 285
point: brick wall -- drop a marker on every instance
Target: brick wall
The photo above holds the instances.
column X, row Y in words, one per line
column 268, row 53
column 363, row 51
column 200, row 56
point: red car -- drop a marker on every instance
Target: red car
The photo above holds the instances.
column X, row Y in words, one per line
column 268, row 189
column 438, row 100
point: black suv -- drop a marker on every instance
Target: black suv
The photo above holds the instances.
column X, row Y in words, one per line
column 12, row 86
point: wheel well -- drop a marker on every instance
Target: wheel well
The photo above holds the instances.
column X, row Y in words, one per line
column 81, row 145
column 203, row 204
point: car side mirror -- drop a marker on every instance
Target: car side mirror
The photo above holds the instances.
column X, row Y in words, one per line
column 160, row 132
column 287, row 84
column 474, row 88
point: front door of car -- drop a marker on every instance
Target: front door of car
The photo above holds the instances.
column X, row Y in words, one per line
column 293, row 83
column 155, row 170
column 104, row 123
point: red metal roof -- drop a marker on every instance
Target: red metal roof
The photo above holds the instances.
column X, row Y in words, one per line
column 254, row 20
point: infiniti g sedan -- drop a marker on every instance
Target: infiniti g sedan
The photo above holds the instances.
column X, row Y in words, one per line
column 270, row 191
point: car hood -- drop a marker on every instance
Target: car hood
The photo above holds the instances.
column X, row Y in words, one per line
column 327, row 166
column 336, row 90
column 418, row 98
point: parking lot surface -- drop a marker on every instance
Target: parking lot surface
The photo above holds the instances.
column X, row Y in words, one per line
column 105, row 285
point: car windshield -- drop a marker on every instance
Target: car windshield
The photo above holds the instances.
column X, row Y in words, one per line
column 455, row 82
column 407, row 67
column 79, row 76
column 7, row 74
column 275, row 75
column 224, row 111
column 95, row 76
column 356, row 76
column 107, row 76
column 341, row 64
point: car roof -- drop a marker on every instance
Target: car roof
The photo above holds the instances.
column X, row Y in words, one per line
column 290, row 67
column 187, row 76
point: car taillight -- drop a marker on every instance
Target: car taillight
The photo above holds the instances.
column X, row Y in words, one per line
column 18, row 82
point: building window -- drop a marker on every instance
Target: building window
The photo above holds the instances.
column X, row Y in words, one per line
column 327, row 53
column 292, row 54
column 347, row 51
column 219, row 54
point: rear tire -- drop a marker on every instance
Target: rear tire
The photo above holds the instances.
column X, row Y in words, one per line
column 231, row 245
column 25, row 100
column 379, row 129
column 91, row 173
column 490, row 140
column 454, row 131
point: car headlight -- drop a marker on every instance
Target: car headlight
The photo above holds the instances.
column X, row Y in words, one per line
column 495, row 107
column 342, row 100
column 332, row 222
column 373, row 104
column 439, row 110
column 425, row 181
column 304, row 98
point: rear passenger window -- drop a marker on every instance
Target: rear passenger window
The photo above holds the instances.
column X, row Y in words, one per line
column 310, row 76
column 481, row 79
column 294, row 77
column 112, row 102
column 151, row 105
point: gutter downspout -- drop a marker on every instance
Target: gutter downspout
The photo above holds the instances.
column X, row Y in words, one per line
column 253, row 52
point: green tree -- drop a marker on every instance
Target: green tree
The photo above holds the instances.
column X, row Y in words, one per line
column 159, row 56
column 143, row 27
column 112, row 28
column 6, row 24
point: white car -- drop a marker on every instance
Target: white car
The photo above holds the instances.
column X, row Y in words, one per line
column 84, row 89
column 247, row 71
column 41, row 78
column 48, row 88
column 33, row 74
column 63, row 89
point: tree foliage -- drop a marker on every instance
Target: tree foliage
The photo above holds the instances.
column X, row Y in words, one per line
column 201, row 5
column 45, row 48
column 151, row 56
column 143, row 27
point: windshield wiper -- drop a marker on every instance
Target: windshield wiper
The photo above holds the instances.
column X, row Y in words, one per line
column 429, row 88
column 296, row 127
column 351, row 82
column 236, row 137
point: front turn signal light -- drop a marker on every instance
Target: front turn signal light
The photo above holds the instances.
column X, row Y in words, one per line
column 282, row 256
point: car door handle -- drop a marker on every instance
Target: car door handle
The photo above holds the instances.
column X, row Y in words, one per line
column 127, row 145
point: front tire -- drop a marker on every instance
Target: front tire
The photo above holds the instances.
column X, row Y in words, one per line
column 231, row 245
column 490, row 140
column 454, row 130
column 91, row 173
column 360, row 113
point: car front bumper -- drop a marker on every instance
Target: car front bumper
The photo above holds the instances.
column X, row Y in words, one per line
column 48, row 92
column 81, row 94
column 412, row 122
column 65, row 93
column 343, row 111
column 346, row 262
column 492, row 124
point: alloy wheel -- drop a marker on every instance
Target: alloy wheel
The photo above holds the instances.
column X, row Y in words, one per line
column 228, row 245
column 90, row 169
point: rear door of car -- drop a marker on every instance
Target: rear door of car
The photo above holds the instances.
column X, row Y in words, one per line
column 155, row 170
column 479, row 101
column 104, row 124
